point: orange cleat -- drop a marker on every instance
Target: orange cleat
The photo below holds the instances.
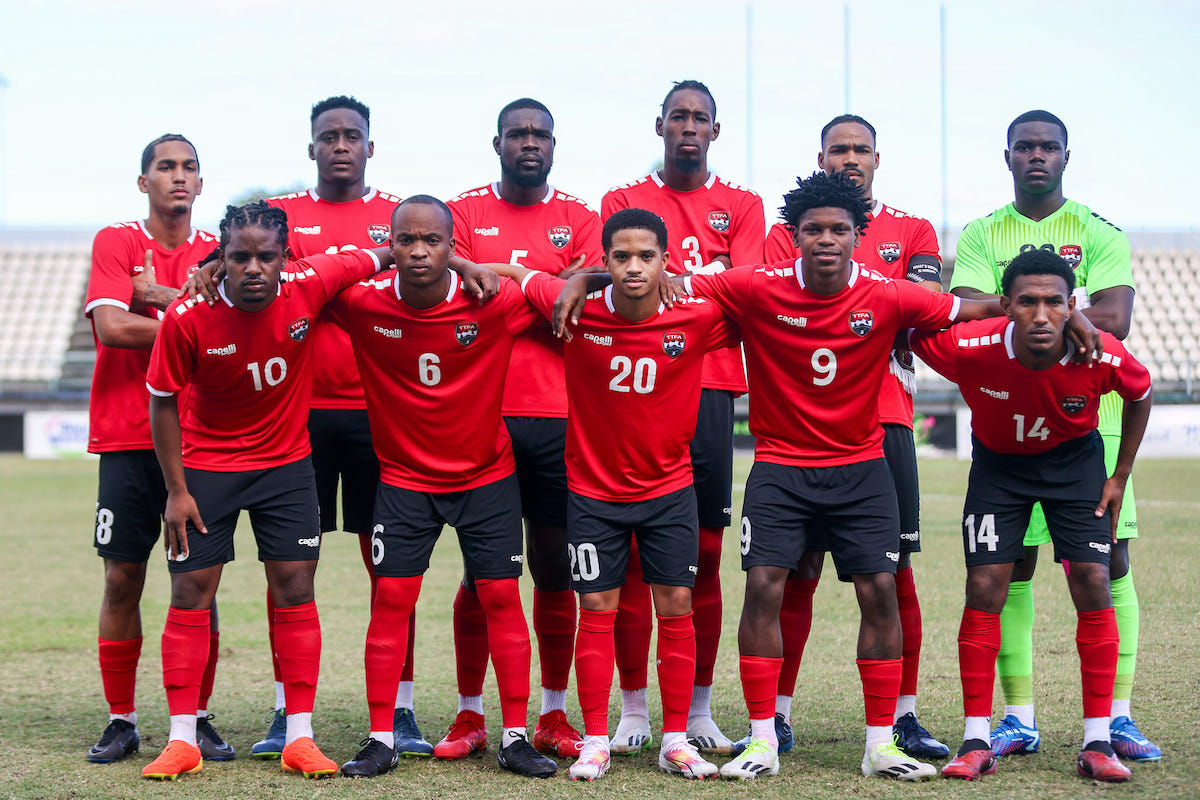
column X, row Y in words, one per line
column 305, row 757
column 177, row 758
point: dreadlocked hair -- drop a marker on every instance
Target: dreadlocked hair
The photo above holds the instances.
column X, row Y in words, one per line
column 257, row 214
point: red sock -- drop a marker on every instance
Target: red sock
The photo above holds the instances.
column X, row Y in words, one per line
column 706, row 605
column 210, row 669
column 365, row 547
column 635, row 623
column 795, row 623
column 554, row 624
column 271, row 636
column 298, row 641
column 410, row 655
column 387, row 637
column 881, row 685
column 978, row 645
column 677, row 642
column 594, row 668
column 470, row 642
column 508, row 640
column 910, row 627
column 118, row 672
column 1096, row 639
column 184, row 653
column 760, row 676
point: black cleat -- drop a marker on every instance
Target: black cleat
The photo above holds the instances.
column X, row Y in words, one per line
column 375, row 758
column 520, row 757
column 911, row 737
column 119, row 739
column 212, row 746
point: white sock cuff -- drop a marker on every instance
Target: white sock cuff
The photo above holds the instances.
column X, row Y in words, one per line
column 472, row 703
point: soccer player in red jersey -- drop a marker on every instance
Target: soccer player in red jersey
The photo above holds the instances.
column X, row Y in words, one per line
column 900, row 246
column 425, row 351
column 124, row 302
column 1033, row 418
column 521, row 219
column 239, row 442
column 711, row 224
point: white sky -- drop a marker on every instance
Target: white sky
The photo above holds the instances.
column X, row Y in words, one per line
column 90, row 83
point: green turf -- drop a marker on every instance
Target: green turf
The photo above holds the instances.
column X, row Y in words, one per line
column 52, row 707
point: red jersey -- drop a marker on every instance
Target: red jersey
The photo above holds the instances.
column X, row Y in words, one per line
column 634, row 390
column 118, row 407
column 719, row 218
column 434, row 378
column 888, row 246
column 816, row 362
column 1022, row 411
column 547, row 237
column 249, row 372
column 318, row 226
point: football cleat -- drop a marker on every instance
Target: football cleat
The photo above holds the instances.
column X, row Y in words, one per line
column 271, row 746
column 212, row 746
column 758, row 759
column 783, row 733
column 120, row 738
column 632, row 736
column 911, row 737
column 1128, row 741
column 886, row 761
column 554, row 736
column 375, row 758
column 969, row 765
column 407, row 736
column 177, row 758
column 1010, row 736
column 305, row 757
column 1101, row 766
column 706, row 737
column 467, row 735
column 593, row 762
column 519, row 757
column 682, row 758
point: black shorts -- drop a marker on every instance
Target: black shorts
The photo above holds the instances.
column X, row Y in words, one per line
column 129, row 505
column 1002, row 489
column 538, row 444
column 854, row 504
column 598, row 533
column 281, row 501
column 487, row 519
column 341, row 449
column 712, row 458
column 900, row 452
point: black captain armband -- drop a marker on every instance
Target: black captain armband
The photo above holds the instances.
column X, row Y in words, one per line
column 925, row 268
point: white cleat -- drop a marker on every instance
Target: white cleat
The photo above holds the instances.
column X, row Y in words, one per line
column 632, row 736
column 592, row 762
column 758, row 759
column 682, row 758
column 707, row 737
column 889, row 761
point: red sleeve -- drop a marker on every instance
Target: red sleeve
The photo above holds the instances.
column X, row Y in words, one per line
column 921, row 308
column 336, row 271
column 749, row 232
column 174, row 353
column 541, row 290
column 1132, row 379
column 938, row 350
column 779, row 246
column 462, row 231
column 723, row 333
column 589, row 241
column 519, row 315
column 923, row 242
column 729, row 290
column 109, row 282
column 612, row 202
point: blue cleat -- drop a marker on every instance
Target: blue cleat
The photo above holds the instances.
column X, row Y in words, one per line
column 271, row 745
column 409, row 741
column 783, row 732
column 911, row 737
column 1010, row 736
column 1128, row 741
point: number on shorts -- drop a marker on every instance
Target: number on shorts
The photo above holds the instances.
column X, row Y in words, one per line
column 824, row 363
column 376, row 545
column 430, row 372
column 694, row 259
column 274, row 371
column 986, row 535
column 585, row 563
column 1037, row 430
column 644, row 371
column 104, row 521
column 745, row 535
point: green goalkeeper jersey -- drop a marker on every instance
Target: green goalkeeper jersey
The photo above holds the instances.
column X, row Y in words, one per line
column 1096, row 250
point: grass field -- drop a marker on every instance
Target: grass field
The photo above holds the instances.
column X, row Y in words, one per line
column 52, row 708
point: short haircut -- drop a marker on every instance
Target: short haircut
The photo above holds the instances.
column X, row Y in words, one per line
column 517, row 105
column 426, row 200
column 341, row 101
column 842, row 119
column 1037, row 262
column 1037, row 115
column 257, row 214
column 825, row 191
column 679, row 86
column 148, row 153
column 636, row 218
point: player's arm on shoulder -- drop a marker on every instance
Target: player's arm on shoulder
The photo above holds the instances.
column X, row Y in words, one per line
column 568, row 308
column 1112, row 310
column 478, row 280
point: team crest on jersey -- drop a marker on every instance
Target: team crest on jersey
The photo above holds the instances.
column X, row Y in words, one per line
column 1072, row 254
column 889, row 251
column 466, row 332
column 674, row 342
column 1073, row 403
column 298, row 329
column 559, row 235
column 861, row 322
column 719, row 220
column 378, row 233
